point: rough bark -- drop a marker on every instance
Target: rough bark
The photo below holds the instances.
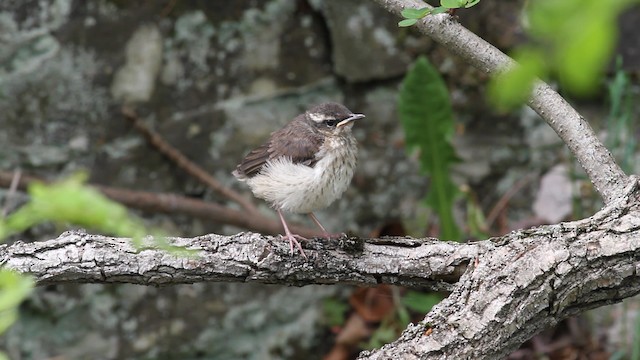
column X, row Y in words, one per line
column 606, row 176
column 76, row 256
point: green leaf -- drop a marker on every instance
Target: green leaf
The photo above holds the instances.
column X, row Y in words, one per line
column 471, row 3
column 453, row 4
column 70, row 201
column 439, row 10
column 384, row 334
column 512, row 88
column 403, row 316
column 578, row 37
column 427, row 118
column 421, row 302
column 410, row 13
column 14, row 288
column 407, row 22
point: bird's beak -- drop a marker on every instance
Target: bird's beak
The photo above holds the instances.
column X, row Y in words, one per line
column 349, row 119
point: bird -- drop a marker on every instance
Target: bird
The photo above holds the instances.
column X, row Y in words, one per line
column 304, row 166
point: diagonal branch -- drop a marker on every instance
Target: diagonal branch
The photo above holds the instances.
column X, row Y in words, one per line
column 607, row 177
column 184, row 163
column 528, row 281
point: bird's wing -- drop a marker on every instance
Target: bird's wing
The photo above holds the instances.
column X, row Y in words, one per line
column 253, row 162
column 283, row 143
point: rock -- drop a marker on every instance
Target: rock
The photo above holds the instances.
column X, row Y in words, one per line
column 553, row 201
column 364, row 41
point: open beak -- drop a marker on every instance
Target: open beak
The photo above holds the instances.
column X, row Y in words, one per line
column 349, row 119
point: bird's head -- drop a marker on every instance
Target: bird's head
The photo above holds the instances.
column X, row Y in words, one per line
column 331, row 119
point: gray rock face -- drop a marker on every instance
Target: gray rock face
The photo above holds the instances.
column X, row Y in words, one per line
column 214, row 78
column 366, row 42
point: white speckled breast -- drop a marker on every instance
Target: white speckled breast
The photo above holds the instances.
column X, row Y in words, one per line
column 299, row 188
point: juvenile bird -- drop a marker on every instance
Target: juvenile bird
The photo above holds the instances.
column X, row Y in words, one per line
column 305, row 166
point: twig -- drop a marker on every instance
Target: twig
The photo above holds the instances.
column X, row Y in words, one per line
column 175, row 204
column 184, row 163
column 13, row 187
column 504, row 200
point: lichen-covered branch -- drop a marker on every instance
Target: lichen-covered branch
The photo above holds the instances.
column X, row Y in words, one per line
column 607, row 177
column 528, row 281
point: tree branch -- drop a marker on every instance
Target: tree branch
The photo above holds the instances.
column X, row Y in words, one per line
column 246, row 257
column 607, row 177
column 528, row 281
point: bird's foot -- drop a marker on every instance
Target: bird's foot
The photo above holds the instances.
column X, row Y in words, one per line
column 293, row 240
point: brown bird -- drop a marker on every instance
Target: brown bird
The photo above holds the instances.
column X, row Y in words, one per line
column 305, row 166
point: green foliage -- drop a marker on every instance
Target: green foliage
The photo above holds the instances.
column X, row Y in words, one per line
column 13, row 289
column 413, row 15
column 635, row 348
column 476, row 221
column 398, row 320
column 574, row 40
column 421, row 302
column 70, row 201
column 511, row 88
column 621, row 138
column 427, row 118
column 334, row 311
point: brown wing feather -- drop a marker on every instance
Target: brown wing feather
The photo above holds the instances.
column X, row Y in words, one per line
column 296, row 140
column 253, row 162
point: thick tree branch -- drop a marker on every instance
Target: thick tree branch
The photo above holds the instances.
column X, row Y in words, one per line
column 607, row 177
column 528, row 281
column 246, row 257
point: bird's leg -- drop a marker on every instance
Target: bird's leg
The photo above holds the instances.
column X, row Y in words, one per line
column 290, row 236
column 326, row 233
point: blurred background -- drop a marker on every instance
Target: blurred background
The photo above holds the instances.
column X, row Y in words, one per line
column 214, row 78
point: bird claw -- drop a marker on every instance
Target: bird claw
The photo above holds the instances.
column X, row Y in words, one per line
column 292, row 241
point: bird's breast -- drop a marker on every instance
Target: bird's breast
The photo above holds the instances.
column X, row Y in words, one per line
column 302, row 189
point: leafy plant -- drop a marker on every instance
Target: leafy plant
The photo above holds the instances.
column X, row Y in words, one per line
column 393, row 324
column 427, row 118
column 620, row 130
column 412, row 15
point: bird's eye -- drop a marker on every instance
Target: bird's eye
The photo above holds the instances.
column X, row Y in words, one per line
column 331, row 123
